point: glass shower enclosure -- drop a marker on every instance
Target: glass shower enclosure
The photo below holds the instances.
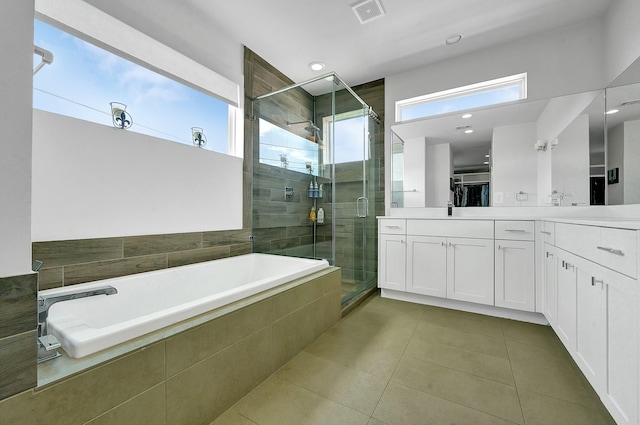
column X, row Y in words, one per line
column 315, row 178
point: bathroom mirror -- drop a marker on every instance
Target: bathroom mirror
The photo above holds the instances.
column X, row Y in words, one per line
column 502, row 152
column 623, row 138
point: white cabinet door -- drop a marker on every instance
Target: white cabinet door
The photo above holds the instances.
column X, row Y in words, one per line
column 470, row 270
column 427, row 265
column 566, row 318
column 515, row 274
column 591, row 325
column 391, row 262
column 550, row 284
column 621, row 386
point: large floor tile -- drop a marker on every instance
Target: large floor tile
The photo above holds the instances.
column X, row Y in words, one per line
column 552, row 380
column 479, row 364
column 378, row 330
column 356, row 354
column 543, row 410
column 524, row 355
column 353, row 388
column 232, row 417
column 402, row 405
column 491, row 346
column 277, row 402
column 388, row 306
column 491, row 397
column 530, row 334
column 463, row 321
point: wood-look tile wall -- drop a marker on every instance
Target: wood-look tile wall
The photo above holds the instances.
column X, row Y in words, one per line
column 18, row 351
column 77, row 261
column 282, row 226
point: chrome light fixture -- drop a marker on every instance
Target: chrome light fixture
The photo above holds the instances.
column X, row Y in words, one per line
column 119, row 115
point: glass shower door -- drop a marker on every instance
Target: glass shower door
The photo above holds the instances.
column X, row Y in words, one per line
column 354, row 216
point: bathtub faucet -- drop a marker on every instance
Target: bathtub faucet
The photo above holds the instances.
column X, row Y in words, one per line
column 48, row 344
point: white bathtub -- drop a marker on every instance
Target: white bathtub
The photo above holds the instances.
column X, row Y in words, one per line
column 150, row 301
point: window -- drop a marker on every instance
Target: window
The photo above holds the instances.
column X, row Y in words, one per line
column 348, row 141
column 83, row 79
column 494, row 92
column 281, row 148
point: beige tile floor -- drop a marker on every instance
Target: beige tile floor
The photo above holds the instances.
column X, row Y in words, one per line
column 396, row 363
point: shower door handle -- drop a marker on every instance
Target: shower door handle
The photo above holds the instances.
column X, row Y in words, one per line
column 360, row 211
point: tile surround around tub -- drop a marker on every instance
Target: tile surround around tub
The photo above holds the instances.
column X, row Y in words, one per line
column 79, row 261
column 18, row 351
column 184, row 379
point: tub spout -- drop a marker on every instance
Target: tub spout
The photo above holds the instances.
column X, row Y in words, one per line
column 48, row 344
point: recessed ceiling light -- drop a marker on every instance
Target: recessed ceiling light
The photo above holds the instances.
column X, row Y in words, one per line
column 316, row 66
column 465, row 116
column 486, row 163
column 487, row 156
column 612, row 111
column 453, row 39
column 469, row 131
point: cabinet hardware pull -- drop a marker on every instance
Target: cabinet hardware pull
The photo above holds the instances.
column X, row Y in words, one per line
column 499, row 247
column 563, row 264
column 549, row 254
column 611, row 250
column 515, row 230
column 392, row 227
column 546, row 233
column 569, row 266
column 443, row 244
column 450, row 244
column 594, row 281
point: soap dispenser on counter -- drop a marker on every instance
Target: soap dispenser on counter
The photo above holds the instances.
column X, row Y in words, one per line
column 449, row 209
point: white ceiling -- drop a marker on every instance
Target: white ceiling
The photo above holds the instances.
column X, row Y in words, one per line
column 290, row 34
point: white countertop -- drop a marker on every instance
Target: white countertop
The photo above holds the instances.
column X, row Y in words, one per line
column 615, row 222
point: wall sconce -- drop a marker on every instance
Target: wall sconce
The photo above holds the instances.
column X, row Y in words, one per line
column 541, row 145
column 197, row 137
column 119, row 115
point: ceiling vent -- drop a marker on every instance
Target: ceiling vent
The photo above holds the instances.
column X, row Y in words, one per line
column 368, row 10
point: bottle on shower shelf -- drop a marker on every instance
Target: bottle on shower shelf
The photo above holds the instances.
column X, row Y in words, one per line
column 321, row 215
column 312, row 214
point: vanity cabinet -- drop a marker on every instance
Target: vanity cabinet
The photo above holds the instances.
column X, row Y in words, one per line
column 439, row 258
column 597, row 310
column 392, row 254
column 515, row 265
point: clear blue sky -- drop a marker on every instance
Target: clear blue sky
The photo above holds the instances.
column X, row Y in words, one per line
column 88, row 75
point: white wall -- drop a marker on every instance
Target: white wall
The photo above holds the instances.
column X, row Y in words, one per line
column 514, row 165
column 615, row 159
column 415, row 159
column 16, row 45
column 438, row 171
column 570, row 163
column 92, row 181
column 622, row 33
column 631, row 161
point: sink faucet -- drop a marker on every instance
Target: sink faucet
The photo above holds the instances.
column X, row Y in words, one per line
column 48, row 344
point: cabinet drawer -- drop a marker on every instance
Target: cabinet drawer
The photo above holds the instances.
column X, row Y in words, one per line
column 393, row 226
column 481, row 229
column 515, row 230
column 615, row 249
column 548, row 232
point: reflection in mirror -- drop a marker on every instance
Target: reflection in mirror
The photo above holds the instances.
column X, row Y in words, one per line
column 541, row 152
column 623, row 138
column 397, row 169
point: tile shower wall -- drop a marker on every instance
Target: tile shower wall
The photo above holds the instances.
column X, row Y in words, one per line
column 282, row 226
column 191, row 377
column 77, row 261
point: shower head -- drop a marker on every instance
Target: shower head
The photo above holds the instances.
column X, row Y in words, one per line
column 311, row 128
